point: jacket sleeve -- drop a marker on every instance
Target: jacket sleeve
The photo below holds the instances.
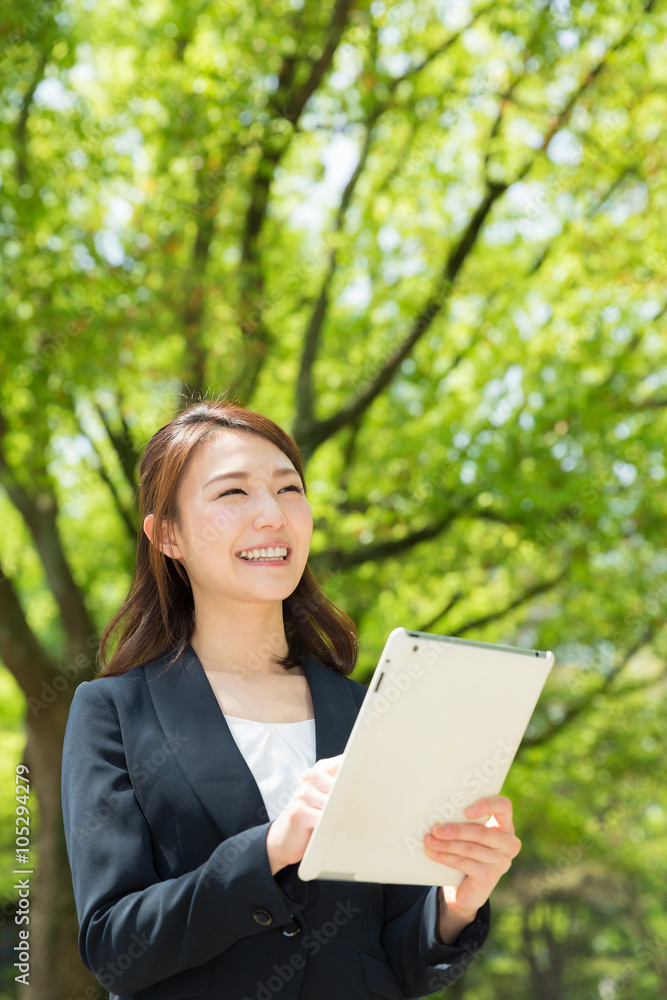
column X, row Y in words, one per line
column 420, row 963
column 136, row 928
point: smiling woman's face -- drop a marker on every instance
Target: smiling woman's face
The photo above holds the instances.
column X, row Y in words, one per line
column 241, row 493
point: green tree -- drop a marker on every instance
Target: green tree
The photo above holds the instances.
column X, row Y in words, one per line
column 427, row 239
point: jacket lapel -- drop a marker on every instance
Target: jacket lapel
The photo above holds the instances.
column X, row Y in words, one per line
column 209, row 756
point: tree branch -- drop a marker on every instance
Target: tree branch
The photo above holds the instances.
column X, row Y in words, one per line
column 288, row 102
column 456, row 597
column 123, row 444
column 304, row 386
column 538, row 588
column 195, row 299
column 440, row 49
column 585, row 704
column 591, row 77
column 40, row 516
column 320, row 430
column 21, row 652
column 591, row 211
column 123, row 513
column 349, row 452
column 22, row 171
column 305, row 418
column 338, row 559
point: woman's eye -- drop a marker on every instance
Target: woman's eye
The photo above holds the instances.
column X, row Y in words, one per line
column 237, row 489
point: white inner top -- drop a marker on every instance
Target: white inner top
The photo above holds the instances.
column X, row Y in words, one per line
column 277, row 753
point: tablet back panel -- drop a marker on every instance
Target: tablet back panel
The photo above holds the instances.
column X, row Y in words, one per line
column 439, row 727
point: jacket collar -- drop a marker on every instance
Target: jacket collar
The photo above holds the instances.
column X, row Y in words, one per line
column 206, row 750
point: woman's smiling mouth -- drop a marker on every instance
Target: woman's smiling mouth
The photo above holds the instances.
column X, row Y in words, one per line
column 265, row 556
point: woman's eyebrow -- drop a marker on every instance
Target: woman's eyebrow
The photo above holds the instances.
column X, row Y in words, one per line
column 246, row 475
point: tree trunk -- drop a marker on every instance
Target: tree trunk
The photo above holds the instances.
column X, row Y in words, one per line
column 544, row 957
column 56, row 969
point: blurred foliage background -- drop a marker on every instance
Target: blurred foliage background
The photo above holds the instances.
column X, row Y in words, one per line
column 427, row 237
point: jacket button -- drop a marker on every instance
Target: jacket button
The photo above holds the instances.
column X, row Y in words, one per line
column 294, row 930
column 262, row 917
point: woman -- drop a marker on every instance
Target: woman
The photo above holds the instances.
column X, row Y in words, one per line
column 196, row 765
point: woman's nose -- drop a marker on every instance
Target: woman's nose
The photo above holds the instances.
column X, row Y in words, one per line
column 269, row 511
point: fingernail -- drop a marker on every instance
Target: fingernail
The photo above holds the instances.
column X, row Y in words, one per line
column 472, row 811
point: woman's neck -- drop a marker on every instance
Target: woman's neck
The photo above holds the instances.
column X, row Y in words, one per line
column 242, row 642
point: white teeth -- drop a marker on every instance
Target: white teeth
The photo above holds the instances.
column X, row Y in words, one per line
column 277, row 552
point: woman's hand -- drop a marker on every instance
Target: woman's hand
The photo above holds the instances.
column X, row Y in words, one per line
column 482, row 853
column 291, row 830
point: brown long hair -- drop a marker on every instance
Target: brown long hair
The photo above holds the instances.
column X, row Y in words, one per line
column 157, row 615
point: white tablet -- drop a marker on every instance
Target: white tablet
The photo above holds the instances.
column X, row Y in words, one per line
column 438, row 728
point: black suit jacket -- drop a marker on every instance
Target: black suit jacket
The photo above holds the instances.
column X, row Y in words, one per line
column 166, row 835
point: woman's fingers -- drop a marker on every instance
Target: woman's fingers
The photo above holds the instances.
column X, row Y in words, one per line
column 472, row 833
column 498, row 806
column 314, row 778
column 322, row 773
column 482, row 851
column 486, row 853
column 467, row 845
column 311, row 796
column 330, row 764
column 320, row 778
column 481, row 871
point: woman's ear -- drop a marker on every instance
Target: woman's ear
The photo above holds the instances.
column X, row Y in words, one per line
column 167, row 543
